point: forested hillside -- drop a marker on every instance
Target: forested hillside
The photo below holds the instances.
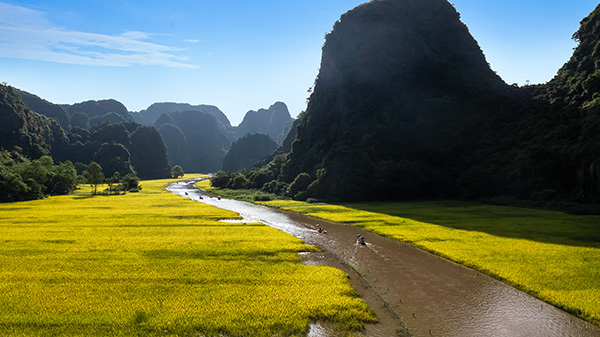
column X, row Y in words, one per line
column 398, row 105
column 246, row 151
column 406, row 106
column 31, row 142
column 31, row 134
column 46, row 108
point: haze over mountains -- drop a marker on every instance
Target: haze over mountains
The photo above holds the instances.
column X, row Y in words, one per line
column 196, row 137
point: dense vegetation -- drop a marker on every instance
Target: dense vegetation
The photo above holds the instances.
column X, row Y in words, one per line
column 405, row 106
column 246, row 151
column 104, row 132
column 155, row 264
column 21, row 179
column 26, row 132
column 31, row 142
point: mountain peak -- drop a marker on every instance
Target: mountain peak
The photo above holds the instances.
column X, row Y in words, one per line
column 272, row 121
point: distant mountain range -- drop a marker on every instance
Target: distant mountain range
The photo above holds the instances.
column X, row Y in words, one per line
column 126, row 147
column 197, row 143
column 197, row 137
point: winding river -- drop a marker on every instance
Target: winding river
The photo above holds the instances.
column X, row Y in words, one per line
column 412, row 292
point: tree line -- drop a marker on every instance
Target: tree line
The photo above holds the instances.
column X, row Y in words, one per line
column 23, row 179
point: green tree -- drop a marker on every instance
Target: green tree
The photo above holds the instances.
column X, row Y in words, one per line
column 114, row 157
column 63, row 179
column 12, row 187
column 36, row 175
column 94, row 176
column 221, row 179
column 177, row 171
column 131, row 183
column 239, row 182
column 114, row 180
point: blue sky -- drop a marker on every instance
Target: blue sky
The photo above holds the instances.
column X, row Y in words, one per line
column 239, row 55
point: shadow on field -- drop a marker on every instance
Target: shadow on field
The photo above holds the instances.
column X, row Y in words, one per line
column 505, row 221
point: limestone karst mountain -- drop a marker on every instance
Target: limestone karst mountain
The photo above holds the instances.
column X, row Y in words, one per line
column 274, row 121
column 406, row 106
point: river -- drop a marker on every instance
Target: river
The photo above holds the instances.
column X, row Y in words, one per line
column 413, row 292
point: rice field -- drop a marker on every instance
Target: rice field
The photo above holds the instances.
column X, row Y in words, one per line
column 155, row 264
column 552, row 255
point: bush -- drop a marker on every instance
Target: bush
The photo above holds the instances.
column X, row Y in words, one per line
column 27, row 180
column 299, row 184
column 270, row 187
column 177, row 171
column 301, row 196
column 131, row 183
column 239, row 182
column 262, row 197
column 221, row 179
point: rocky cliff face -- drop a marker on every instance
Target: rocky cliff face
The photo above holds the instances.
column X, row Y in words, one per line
column 96, row 112
column 155, row 111
column 401, row 88
column 405, row 106
column 193, row 140
column 246, row 151
column 274, row 122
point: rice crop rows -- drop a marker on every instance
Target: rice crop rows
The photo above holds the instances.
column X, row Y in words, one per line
column 552, row 255
column 155, row 264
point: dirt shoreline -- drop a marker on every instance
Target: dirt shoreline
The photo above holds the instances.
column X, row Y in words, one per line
column 414, row 292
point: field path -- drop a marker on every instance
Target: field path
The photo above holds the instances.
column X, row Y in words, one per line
column 430, row 295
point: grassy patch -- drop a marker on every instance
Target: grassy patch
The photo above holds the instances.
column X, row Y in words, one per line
column 553, row 255
column 243, row 195
column 155, row 264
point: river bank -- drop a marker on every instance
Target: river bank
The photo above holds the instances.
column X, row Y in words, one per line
column 430, row 295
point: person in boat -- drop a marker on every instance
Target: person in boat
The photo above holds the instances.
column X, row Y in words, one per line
column 321, row 229
column 360, row 240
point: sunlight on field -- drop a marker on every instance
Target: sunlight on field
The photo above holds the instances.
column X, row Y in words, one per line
column 553, row 255
column 204, row 184
column 153, row 263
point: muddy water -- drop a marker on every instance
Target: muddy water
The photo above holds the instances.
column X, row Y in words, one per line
column 412, row 291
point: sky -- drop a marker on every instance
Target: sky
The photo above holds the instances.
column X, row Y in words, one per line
column 238, row 55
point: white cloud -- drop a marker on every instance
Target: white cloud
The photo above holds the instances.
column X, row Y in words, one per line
column 26, row 34
column 192, row 41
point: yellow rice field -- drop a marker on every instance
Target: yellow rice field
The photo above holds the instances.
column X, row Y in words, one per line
column 553, row 255
column 155, row 264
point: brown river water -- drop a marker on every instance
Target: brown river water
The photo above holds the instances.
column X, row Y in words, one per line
column 413, row 292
